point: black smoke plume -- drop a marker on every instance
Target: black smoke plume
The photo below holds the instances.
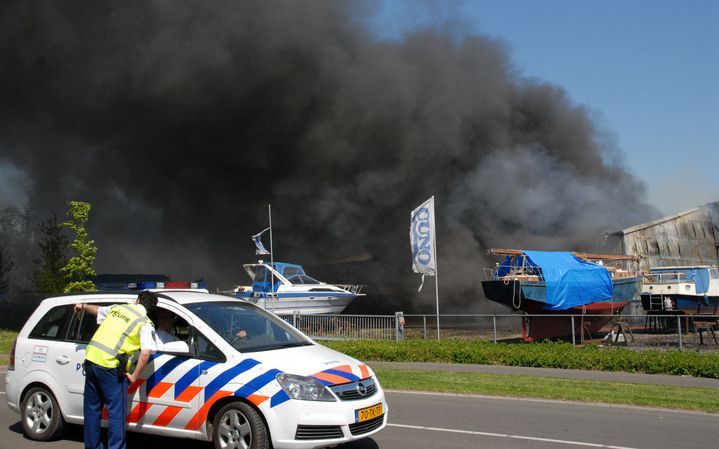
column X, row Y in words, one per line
column 181, row 121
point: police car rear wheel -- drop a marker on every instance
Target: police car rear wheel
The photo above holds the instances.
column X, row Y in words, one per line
column 239, row 426
column 41, row 417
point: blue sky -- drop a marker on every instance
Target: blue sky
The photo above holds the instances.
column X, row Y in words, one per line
column 647, row 70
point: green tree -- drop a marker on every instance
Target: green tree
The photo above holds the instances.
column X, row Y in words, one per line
column 49, row 278
column 5, row 266
column 79, row 267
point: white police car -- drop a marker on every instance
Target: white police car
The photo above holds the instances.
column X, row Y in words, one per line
column 268, row 384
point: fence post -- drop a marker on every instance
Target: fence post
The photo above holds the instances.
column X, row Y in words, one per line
column 494, row 326
column 399, row 326
column 679, row 329
column 439, row 335
column 424, row 326
column 574, row 342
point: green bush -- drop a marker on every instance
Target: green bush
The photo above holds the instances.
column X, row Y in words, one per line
column 545, row 355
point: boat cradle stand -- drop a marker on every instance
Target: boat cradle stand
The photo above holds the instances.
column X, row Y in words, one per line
column 701, row 326
column 618, row 332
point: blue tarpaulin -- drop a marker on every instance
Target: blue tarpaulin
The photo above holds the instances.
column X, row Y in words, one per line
column 511, row 263
column 571, row 281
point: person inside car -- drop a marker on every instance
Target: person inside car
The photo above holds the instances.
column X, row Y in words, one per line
column 165, row 332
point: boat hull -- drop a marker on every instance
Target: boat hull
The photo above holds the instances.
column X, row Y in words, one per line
column 580, row 322
column 689, row 304
column 303, row 304
column 530, row 297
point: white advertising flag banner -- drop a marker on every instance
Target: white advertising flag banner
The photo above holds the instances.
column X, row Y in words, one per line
column 422, row 239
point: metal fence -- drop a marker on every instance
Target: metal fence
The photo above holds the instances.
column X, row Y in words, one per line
column 346, row 327
column 664, row 331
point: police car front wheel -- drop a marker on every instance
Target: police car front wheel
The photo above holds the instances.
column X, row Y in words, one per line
column 239, row 426
column 41, row 417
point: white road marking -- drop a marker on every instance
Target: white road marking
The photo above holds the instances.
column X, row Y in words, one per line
column 505, row 435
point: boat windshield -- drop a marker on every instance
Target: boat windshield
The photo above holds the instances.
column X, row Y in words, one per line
column 258, row 273
column 302, row 279
column 246, row 327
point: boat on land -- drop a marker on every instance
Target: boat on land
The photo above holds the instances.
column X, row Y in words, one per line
column 285, row 288
column 556, row 289
column 689, row 289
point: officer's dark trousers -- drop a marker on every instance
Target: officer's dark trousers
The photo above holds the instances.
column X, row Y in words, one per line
column 104, row 387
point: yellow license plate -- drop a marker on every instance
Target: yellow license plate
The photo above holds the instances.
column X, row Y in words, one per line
column 368, row 413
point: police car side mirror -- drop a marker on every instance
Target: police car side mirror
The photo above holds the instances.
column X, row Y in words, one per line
column 177, row 347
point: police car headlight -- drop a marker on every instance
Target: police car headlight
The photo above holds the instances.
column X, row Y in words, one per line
column 304, row 388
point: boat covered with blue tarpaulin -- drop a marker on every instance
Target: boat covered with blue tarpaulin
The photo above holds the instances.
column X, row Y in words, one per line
column 562, row 283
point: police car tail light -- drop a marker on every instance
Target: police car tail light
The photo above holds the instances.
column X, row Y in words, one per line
column 304, row 388
column 11, row 363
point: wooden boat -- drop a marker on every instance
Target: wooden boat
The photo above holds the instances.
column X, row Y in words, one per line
column 563, row 287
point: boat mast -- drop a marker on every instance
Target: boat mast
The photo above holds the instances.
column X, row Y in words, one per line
column 272, row 254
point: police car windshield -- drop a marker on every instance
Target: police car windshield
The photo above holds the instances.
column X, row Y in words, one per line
column 247, row 328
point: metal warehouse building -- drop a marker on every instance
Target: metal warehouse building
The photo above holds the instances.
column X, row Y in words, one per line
column 686, row 238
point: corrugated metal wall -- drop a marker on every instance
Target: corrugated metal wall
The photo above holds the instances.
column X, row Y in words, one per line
column 687, row 238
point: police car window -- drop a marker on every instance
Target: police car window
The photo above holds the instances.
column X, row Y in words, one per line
column 169, row 327
column 246, row 327
column 203, row 348
column 83, row 327
column 53, row 326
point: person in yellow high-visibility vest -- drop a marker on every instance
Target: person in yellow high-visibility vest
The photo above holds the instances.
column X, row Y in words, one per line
column 124, row 329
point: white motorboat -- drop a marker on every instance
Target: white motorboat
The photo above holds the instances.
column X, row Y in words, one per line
column 285, row 288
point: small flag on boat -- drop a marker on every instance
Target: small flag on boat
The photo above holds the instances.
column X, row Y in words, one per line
column 257, row 238
column 422, row 238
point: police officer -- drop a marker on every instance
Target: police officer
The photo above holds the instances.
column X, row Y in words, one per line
column 124, row 329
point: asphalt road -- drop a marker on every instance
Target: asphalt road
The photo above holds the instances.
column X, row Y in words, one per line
column 424, row 421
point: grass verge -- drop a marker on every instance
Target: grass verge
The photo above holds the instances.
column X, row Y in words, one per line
column 701, row 399
column 6, row 339
column 545, row 355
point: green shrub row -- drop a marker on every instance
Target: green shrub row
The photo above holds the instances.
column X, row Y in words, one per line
column 544, row 355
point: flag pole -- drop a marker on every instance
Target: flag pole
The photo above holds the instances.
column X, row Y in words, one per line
column 272, row 253
column 436, row 268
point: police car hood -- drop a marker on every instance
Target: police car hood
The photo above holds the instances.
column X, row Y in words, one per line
column 328, row 366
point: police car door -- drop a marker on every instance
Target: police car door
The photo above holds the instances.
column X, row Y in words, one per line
column 167, row 395
column 82, row 328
